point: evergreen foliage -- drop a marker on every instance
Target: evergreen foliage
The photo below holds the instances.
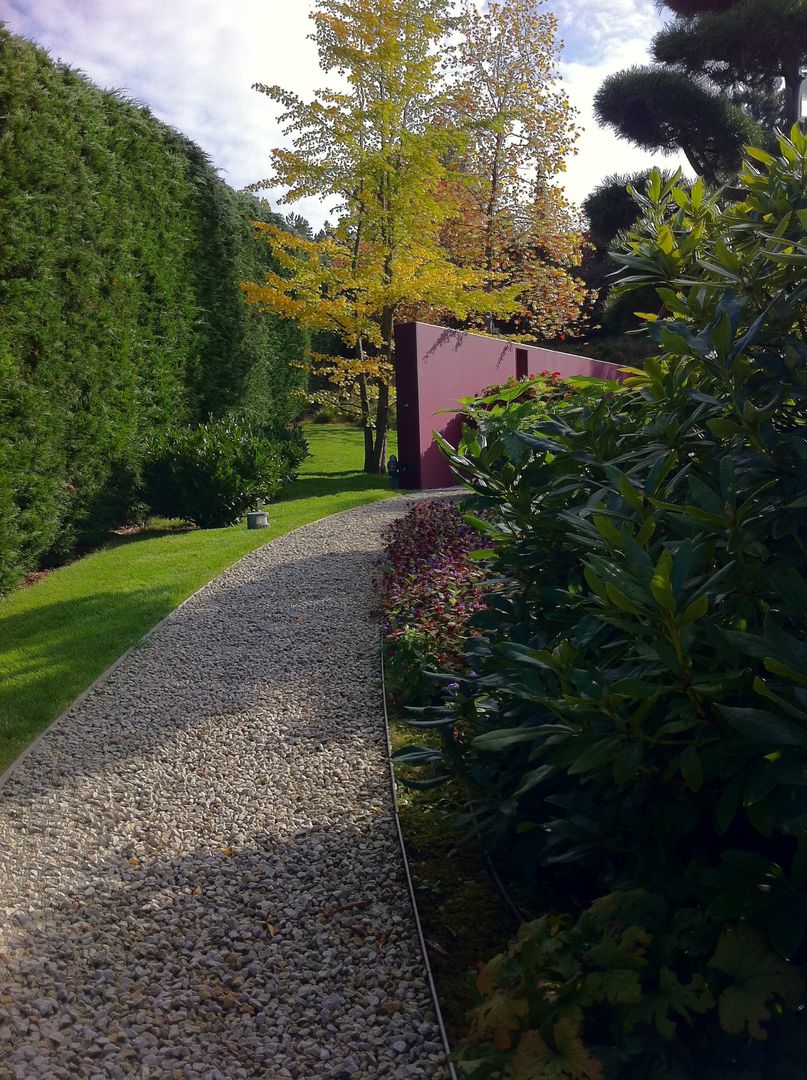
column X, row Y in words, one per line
column 633, row 714
column 754, row 43
column 664, row 109
column 120, row 307
column 720, row 68
column 212, row 474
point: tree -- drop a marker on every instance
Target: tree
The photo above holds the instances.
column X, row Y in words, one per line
column 373, row 148
column 660, row 109
column 754, row 43
column 611, row 210
column 515, row 222
column 716, row 82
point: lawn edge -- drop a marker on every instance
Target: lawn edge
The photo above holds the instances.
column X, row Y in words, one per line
column 6, row 775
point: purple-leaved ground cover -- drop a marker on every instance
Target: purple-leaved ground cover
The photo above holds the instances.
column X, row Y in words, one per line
column 430, row 587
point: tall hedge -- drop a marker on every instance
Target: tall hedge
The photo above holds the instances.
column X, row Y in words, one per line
column 121, row 253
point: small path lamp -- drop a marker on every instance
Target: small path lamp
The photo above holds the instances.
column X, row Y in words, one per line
column 257, row 519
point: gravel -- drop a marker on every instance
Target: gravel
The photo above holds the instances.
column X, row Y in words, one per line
column 199, row 871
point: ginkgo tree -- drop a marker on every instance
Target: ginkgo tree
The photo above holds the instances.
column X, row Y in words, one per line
column 374, row 148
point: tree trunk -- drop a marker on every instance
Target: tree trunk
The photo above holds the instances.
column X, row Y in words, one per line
column 367, row 430
column 701, row 168
column 379, row 459
column 792, row 90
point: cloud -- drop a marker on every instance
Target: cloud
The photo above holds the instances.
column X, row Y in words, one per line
column 193, row 63
column 590, row 31
column 599, row 150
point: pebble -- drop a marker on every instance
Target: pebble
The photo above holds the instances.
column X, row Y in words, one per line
column 199, row 870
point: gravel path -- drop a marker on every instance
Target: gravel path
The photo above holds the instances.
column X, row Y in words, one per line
column 199, row 871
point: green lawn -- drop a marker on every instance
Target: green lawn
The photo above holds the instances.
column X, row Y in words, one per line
column 57, row 636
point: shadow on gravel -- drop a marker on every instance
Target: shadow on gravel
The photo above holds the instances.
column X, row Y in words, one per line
column 294, row 952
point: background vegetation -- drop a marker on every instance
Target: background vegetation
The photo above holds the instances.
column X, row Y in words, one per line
column 120, row 307
column 442, row 176
column 725, row 74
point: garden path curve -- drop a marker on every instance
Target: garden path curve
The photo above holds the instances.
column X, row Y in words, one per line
column 199, row 871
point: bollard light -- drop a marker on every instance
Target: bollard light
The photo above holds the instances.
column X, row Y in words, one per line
column 394, row 472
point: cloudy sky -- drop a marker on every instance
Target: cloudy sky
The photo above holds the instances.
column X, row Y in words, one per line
column 194, row 61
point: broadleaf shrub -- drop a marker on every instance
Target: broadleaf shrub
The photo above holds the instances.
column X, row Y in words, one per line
column 633, row 712
column 212, row 474
column 621, row 990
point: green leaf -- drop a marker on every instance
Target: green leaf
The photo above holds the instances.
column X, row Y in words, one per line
column 596, row 755
column 607, row 530
column 627, row 763
column 619, row 985
column 660, row 583
column 695, row 611
column 523, row 654
column 758, row 154
column 765, row 727
column 532, row 779
column 630, row 494
column 618, row 599
column 692, row 769
column 595, row 583
column 758, row 977
column 415, row 755
column 503, row 738
column 776, row 667
column 682, row 998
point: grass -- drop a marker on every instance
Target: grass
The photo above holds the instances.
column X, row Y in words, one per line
column 59, row 635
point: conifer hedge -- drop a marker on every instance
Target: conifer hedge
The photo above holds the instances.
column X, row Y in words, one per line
column 121, row 254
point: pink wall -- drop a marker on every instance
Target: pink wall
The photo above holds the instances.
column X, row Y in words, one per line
column 435, row 367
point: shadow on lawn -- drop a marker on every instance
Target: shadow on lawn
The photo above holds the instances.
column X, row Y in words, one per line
column 55, row 642
column 333, row 483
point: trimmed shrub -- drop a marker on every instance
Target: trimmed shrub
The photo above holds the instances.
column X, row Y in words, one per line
column 121, row 312
column 289, row 442
column 212, row 474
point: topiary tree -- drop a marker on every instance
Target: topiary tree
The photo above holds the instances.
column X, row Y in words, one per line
column 611, row 209
column 752, row 43
column 715, row 84
column 667, row 110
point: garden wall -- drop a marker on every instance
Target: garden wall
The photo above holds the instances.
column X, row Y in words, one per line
column 435, row 367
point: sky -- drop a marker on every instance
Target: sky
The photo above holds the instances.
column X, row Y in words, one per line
column 193, row 62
